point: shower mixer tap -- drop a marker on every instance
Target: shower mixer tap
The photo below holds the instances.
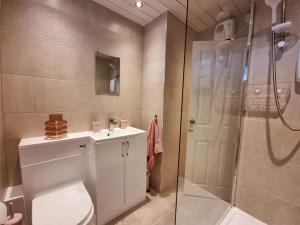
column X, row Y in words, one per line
column 279, row 29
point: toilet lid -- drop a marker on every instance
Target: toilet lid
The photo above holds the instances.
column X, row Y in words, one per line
column 68, row 205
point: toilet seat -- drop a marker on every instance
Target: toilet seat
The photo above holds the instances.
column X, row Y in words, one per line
column 69, row 205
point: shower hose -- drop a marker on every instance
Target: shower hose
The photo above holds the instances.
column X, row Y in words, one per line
column 275, row 86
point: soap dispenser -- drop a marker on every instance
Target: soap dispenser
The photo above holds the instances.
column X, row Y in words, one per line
column 124, row 122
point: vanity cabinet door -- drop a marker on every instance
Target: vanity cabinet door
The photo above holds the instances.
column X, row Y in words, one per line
column 110, row 157
column 135, row 170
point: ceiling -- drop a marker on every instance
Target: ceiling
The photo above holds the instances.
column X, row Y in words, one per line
column 202, row 14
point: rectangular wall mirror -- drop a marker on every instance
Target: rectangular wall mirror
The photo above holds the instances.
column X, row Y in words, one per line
column 107, row 75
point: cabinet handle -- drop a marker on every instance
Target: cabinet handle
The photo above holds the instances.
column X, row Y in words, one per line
column 82, row 146
column 127, row 148
column 123, row 144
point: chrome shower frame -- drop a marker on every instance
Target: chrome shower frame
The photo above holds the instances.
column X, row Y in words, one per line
column 245, row 82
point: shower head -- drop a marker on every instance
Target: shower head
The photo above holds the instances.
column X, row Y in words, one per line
column 273, row 4
column 111, row 66
column 115, row 71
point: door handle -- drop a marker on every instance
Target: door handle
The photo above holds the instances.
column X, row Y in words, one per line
column 192, row 121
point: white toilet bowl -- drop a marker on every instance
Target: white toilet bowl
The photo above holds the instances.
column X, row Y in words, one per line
column 67, row 205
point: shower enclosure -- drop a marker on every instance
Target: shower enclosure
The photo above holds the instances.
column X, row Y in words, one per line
column 211, row 116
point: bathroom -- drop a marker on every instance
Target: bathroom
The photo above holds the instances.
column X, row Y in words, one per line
column 179, row 92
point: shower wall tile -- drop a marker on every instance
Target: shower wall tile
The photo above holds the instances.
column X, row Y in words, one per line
column 268, row 180
column 285, row 185
column 256, row 171
column 284, row 213
column 48, row 65
column 260, row 70
column 254, row 202
column 267, row 207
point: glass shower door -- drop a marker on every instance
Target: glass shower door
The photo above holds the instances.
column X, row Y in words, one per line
column 211, row 127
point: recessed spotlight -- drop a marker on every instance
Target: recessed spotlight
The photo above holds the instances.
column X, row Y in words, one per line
column 139, row 4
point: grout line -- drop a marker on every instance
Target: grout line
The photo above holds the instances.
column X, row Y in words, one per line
column 46, row 78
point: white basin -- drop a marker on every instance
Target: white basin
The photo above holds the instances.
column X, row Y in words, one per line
column 116, row 133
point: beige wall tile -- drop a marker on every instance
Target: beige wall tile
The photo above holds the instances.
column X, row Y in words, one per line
column 153, row 99
column 13, row 168
column 22, row 125
column 135, row 118
column 49, row 67
column 148, row 115
column 2, row 147
column 19, row 93
column 35, row 57
column 3, row 174
column 3, row 169
column 155, row 40
column 154, row 74
column 130, row 75
column 172, row 99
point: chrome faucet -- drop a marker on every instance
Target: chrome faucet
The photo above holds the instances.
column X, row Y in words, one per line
column 111, row 124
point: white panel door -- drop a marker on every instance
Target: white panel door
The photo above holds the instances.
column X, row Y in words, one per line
column 213, row 115
column 110, row 158
column 135, row 170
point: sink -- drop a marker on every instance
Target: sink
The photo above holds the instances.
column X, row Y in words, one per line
column 116, row 133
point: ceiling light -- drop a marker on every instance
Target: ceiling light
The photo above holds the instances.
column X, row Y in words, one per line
column 139, row 4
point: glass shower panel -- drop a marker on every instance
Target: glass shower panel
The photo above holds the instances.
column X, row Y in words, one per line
column 211, row 118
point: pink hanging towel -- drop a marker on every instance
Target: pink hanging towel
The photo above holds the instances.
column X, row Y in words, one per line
column 154, row 145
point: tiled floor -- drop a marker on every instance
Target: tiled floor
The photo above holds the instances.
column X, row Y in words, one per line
column 193, row 210
column 159, row 209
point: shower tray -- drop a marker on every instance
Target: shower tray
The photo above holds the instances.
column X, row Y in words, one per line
column 238, row 217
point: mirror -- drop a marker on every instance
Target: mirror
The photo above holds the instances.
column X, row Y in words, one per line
column 107, row 75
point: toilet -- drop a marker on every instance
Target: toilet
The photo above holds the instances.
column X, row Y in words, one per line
column 70, row 204
column 55, row 175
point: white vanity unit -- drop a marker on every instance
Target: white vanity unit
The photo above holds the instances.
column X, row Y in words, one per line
column 121, row 165
column 110, row 164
